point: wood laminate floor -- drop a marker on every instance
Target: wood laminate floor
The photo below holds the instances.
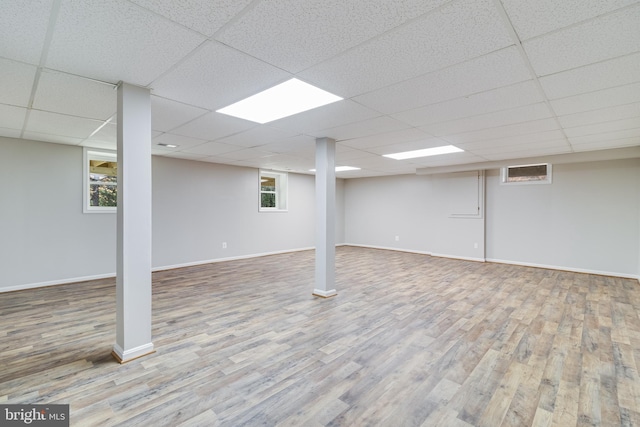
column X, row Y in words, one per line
column 410, row 340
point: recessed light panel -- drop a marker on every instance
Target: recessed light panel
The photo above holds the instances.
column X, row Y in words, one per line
column 445, row 149
column 286, row 99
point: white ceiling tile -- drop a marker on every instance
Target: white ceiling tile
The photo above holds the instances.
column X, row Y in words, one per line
column 213, row 126
column 216, row 76
column 602, row 115
column 210, row 149
column 256, row 136
column 407, row 146
column 106, row 137
column 182, row 142
column 628, row 134
column 287, row 162
column 329, row 116
column 16, row 16
column 487, row 72
column 299, row 144
column 243, row 154
column 12, row 117
column 490, row 120
column 167, row 114
column 512, row 96
column 604, row 38
column 205, row 17
column 271, row 30
column 507, row 131
column 546, row 150
column 58, row 139
column 447, row 159
column 510, row 150
column 16, row 81
column 382, row 124
column 61, row 125
column 457, row 32
column 615, row 72
column 530, row 138
column 597, row 100
column 533, row 18
column 76, row 96
column 183, row 155
column 398, row 137
column 605, row 144
column 603, row 127
column 116, row 40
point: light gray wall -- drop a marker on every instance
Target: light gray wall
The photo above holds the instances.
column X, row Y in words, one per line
column 47, row 239
column 585, row 220
column 197, row 206
column 416, row 208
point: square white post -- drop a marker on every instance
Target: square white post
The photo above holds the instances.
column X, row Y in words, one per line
column 133, row 259
column 325, row 217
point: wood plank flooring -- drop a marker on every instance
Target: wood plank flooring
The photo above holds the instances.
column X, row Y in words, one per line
column 410, row 340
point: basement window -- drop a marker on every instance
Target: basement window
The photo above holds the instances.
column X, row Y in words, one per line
column 100, row 183
column 527, row 174
column 273, row 191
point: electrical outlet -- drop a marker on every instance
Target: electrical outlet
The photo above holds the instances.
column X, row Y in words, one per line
column 224, row 245
column 475, row 246
column 397, row 238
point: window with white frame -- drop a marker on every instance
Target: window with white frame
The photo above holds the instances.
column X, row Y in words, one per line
column 100, row 182
column 273, row 191
column 527, row 174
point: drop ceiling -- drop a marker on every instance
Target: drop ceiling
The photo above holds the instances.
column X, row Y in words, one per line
column 501, row 79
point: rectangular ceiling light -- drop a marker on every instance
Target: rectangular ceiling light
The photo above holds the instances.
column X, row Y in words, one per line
column 445, row 149
column 286, row 99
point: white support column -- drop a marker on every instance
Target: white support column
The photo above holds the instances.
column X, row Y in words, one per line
column 133, row 259
column 325, row 217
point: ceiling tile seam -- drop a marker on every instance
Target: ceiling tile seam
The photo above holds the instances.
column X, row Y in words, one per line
column 185, row 123
column 599, row 109
column 555, row 73
column 605, row 122
column 475, row 116
column 457, row 98
column 165, row 18
column 379, row 36
column 596, row 91
column 238, row 16
column 438, row 71
column 518, row 44
column 178, row 63
column 46, row 44
column 584, row 21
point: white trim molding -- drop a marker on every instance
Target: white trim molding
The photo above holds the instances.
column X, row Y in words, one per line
column 563, row 268
column 134, row 353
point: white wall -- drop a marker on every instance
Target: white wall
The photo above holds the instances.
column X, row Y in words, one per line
column 586, row 220
column 414, row 208
column 46, row 239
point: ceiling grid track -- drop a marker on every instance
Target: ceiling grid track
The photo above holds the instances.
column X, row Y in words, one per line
column 518, row 44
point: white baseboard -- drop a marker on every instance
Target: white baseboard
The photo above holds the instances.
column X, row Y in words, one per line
column 211, row 261
column 386, row 248
column 124, row 356
column 563, row 268
column 161, row 268
column 56, row 282
column 463, row 258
